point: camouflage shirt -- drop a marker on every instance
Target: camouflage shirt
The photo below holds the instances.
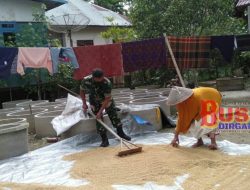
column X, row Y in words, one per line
column 97, row 91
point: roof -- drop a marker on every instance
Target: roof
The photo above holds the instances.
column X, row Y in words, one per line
column 96, row 14
column 52, row 3
column 243, row 3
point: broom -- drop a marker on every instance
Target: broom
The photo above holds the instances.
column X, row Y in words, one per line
column 130, row 147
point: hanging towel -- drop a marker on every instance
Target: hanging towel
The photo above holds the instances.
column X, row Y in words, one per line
column 146, row 54
column 68, row 55
column 7, row 56
column 243, row 42
column 106, row 57
column 225, row 44
column 190, row 52
column 34, row 58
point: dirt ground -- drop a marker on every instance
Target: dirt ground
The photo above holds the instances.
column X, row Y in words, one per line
column 35, row 143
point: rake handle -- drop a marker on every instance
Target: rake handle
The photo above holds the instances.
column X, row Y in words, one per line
column 75, row 94
column 174, row 60
column 106, row 126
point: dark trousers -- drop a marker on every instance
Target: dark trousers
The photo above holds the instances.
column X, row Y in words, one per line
column 112, row 113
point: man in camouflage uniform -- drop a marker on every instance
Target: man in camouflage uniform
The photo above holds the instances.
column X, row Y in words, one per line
column 99, row 89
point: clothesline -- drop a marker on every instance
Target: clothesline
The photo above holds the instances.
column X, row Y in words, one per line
column 116, row 59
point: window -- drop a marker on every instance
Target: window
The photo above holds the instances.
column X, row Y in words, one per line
column 9, row 38
column 7, row 25
column 85, row 42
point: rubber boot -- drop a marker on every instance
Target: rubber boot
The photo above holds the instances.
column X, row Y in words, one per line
column 121, row 133
column 105, row 141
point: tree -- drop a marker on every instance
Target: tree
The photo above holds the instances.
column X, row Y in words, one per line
column 118, row 34
column 152, row 18
column 114, row 5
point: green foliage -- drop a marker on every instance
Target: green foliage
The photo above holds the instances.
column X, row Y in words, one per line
column 241, row 63
column 118, row 34
column 152, row 18
column 152, row 77
column 63, row 77
column 3, row 84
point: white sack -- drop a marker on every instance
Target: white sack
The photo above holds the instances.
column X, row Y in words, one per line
column 71, row 115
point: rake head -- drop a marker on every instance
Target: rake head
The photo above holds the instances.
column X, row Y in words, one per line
column 129, row 151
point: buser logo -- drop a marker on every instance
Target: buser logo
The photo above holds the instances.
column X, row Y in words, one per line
column 212, row 114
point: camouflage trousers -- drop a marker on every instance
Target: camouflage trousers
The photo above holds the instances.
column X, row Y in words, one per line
column 112, row 113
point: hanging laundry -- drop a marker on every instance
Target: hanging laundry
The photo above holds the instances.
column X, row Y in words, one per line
column 55, row 58
column 7, row 56
column 145, row 54
column 243, row 42
column 34, row 58
column 225, row 44
column 68, row 55
column 106, row 57
column 14, row 65
column 190, row 52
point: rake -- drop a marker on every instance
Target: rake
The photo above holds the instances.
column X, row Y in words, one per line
column 130, row 147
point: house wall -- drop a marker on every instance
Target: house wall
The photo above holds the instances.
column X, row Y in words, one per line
column 17, row 10
column 14, row 14
column 90, row 33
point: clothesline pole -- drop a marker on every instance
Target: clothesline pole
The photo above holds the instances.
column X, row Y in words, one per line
column 174, row 60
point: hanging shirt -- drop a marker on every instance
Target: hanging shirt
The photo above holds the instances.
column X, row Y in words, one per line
column 190, row 52
column 7, row 56
column 190, row 109
column 55, row 58
column 68, row 55
column 34, row 58
column 106, row 57
column 145, row 54
column 225, row 44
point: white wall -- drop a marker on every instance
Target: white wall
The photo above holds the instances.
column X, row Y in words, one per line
column 17, row 10
column 90, row 33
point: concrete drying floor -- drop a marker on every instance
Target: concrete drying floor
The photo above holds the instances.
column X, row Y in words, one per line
column 240, row 138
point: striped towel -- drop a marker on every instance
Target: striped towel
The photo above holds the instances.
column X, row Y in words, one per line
column 190, row 52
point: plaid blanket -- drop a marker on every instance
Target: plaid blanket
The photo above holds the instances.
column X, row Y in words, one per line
column 190, row 52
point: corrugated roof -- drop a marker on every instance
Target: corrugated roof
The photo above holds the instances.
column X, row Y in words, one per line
column 97, row 15
column 243, row 3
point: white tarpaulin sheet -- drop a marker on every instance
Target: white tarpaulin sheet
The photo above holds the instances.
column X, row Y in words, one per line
column 46, row 165
column 71, row 115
